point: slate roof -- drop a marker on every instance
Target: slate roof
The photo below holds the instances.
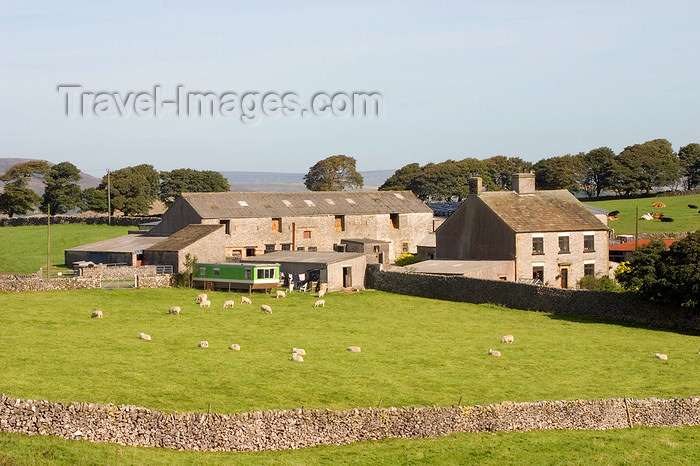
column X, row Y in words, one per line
column 555, row 210
column 126, row 243
column 185, row 237
column 364, row 240
column 630, row 246
column 309, row 203
column 304, row 256
column 453, row 267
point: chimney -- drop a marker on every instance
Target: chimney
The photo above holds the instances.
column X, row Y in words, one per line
column 524, row 183
column 475, row 185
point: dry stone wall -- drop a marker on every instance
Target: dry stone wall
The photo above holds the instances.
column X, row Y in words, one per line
column 125, row 272
column 102, row 220
column 277, row 430
column 40, row 284
column 155, row 281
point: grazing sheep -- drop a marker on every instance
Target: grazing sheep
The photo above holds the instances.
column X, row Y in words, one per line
column 203, row 344
column 205, row 303
column 200, row 297
column 96, row 314
column 144, row 336
column 661, row 356
column 507, row 339
column 299, row 351
column 281, row 294
column 296, row 357
column 692, row 206
column 321, row 293
column 266, row 309
column 354, row 349
column 320, row 303
column 494, row 353
column 246, row 300
column 228, row 303
column 174, row 310
column 235, row 347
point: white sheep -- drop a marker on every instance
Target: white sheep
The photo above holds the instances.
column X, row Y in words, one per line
column 174, row 310
column 494, row 352
column 661, row 356
column 281, row 294
column 228, row 303
column 144, row 336
column 507, row 339
column 246, row 300
column 205, row 303
column 203, row 344
column 297, row 357
column 354, row 349
column 235, row 347
column 265, row 308
column 200, row 297
column 96, row 314
column 321, row 293
column 320, row 303
column 299, row 351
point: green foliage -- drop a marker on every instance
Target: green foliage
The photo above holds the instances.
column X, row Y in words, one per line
column 689, row 157
column 92, row 199
column 589, row 282
column 642, row 167
column 62, row 192
column 501, row 170
column 598, row 165
column 407, row 259
column 186, row 180
column 133, row 189
column 334, row 173
column 185, row 278
column 401, row 178
column 17, row 199
column 565, row 172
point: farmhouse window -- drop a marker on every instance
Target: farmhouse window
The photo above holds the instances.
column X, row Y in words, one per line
column 286, row 246
column 340, row 223
column 249, row 252
column 538, row 245
column 307, row 234
column 340, row 247
column 564, row 244
column 589, row 269
column 269, row 247
column 375, row 249
column 394, row 218
column 588, row 243
column 538, row 273
column 312, row 249
column 217, row 271
column 404, row 246
column 227, row 223
column 277, row 225
column 301, row 248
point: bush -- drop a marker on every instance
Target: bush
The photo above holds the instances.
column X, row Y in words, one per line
column 589, row 282
column 407, row 259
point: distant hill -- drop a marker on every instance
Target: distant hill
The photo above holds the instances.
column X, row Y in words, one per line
column 278, row 181
column 87, row 181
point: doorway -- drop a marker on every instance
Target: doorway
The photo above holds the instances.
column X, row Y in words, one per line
column 564, row 276
column 347, row 277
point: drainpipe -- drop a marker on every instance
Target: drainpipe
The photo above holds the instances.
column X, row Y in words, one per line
column 294, row 236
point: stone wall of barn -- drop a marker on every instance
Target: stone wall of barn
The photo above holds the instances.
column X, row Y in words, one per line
column 291, row 429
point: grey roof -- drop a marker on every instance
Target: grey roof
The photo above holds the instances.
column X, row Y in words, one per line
column 185, row 237
column 555, row 210
column 364, row 240
column 452, row 267
column 126, row 243
column 428, row 241
column 596, row 210
column 304, row 256
column 309, row 203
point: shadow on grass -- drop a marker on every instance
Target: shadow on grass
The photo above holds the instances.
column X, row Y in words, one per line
column 621, row 323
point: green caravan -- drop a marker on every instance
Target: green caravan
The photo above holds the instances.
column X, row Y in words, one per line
column 236, row 276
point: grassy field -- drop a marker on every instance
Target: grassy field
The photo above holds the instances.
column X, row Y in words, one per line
column 640, row 445
column 23, row 249
column 686, row 219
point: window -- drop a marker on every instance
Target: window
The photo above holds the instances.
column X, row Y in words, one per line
column 404, row 246
column 261, row 273
column 588, row 243
column 277, row 225
column 307, row 234
column 538, row 245
column 375, row 249
column 249, row 252
column 340, row 247
column 243, row 203
column 202, row 271
column 269, row 247
column 301, row 248
column 538, row 272
column 309, row 203
column 394, row 218
column 340, row 223
column 564, row 244
column 312, row 249
column 265, row 273
column 248, row 274
column 589, row 269
column 217, row 271
column 286, row 246
column 502, row 277
column 228, row 225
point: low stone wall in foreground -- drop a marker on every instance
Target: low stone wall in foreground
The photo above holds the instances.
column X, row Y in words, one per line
column 291, row 429
column 42, row 284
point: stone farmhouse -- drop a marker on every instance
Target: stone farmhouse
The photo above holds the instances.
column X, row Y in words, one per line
column 545, row 235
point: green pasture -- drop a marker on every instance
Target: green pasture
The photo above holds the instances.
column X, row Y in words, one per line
column 23, row 249
column 685, row 218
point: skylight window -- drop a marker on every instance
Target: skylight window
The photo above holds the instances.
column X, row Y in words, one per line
column 287, row 203
column 400, row 196
column 330, row 201
column 350, row 201
column 309, row 203
column 243, row 203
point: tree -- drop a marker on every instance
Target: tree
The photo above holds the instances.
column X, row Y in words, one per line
column 501, row 170
column 564, row 172
column 62, row 193
column 334, row 173
column 18, row 198
column 643, row 167
column 598, row 165
column 186, row 180
column 689, row 157
column 133, row 189
column 93, row 199
column 401, row 178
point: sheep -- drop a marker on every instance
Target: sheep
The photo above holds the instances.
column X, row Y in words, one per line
column 205, row 303
column 96, row 314
column 281, row 294
column 354, row 349
column 299, row 351
column 174, row 310
column 692, row 206
column 661, row 356
column 246, row 300
column 266, row 309
column 507, row 339
column 235, row 347
column 144, row 336
column 667, row 219
column 321, row 293
column 203, row 344
column 320, row 303
column 200, row 297
column 494, row 353
column 228, row 303
column 297, row 357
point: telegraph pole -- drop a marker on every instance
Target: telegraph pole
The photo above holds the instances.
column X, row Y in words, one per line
column 109, row 200
column 48, row 241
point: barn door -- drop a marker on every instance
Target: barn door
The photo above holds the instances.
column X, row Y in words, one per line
column 347, row 277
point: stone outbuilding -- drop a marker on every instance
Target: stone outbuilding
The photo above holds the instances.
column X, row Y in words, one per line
column 201, row 241
column 377, row 251
column 124, row 250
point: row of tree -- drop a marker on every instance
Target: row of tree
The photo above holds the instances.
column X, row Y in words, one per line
column 132, row 190
column 639, row 168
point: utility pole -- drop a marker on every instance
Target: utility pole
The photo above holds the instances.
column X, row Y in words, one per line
column 636, row 228
column 109, row 200
column 48, row 241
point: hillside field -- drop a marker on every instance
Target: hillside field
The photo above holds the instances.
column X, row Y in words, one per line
column 685, row 218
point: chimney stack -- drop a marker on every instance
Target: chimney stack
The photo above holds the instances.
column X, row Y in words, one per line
column 475, row 185
column 524, row 183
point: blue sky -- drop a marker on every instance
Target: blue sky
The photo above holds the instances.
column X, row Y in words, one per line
column 459, row 79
